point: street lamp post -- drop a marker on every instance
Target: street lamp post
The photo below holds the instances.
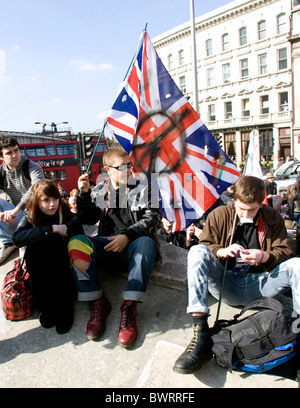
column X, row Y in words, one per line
column 53, row 126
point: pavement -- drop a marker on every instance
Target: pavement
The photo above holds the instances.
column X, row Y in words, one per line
column 34, row 357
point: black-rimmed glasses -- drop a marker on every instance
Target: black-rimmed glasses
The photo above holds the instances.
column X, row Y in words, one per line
column 122, row 167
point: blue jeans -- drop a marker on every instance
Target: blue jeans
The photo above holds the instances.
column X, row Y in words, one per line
column 297, row 216
column 138, row 258
column 205, row 273
column 7, row 230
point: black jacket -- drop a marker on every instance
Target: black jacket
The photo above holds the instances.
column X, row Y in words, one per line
column 144, row 219
column 27, row 234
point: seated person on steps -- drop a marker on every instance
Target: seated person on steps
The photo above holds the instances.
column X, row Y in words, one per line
column 126, row 239
column 260, row 239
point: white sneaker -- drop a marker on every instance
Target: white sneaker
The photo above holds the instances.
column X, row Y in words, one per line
column 5, row 251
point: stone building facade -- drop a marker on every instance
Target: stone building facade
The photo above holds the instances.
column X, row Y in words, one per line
column 248, row 65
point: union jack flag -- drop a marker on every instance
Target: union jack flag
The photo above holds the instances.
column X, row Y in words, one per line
column 165, row 137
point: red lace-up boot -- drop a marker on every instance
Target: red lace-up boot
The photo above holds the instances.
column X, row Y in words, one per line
column 128, row 330
column 100, row 309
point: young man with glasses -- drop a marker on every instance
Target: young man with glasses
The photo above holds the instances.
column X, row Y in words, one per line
column 126, row 239
column 258, row 263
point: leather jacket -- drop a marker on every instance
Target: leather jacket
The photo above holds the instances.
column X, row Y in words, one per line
column 93, row 207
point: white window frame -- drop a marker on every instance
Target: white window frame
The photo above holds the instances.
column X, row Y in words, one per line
column 244, row 70
column 262, row 29
column 181, row 57
column 228, row 110
column 262, row 64
column 243, row 35
column 281, row 23
column 209, row 47
column 210, row 77
column 282, row 60
column 225, row 42
column 170, row 61
column 265, row 104
column 212, row 112
column 226, row 72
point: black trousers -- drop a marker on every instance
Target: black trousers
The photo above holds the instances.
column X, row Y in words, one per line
column 51, row 276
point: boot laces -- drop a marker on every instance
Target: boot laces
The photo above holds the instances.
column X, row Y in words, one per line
column 194, row 340
column 127, row 315
column 94, row 308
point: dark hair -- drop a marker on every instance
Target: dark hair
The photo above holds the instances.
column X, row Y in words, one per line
column 49, row 189
column 7, row 141
column 249, row 189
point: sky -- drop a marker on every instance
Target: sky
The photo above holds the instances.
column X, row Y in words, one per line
column 64, row 60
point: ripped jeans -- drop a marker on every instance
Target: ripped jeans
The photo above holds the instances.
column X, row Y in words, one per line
column 205, row 273
column 138, row 257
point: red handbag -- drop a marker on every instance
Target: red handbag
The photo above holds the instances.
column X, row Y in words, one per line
column 16, row 297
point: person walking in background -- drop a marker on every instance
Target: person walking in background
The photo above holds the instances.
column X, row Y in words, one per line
column 271, row 188
column 295, row 196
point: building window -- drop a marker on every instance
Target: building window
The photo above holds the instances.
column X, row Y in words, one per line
column 225, row 42
column 264, row 104
column 226, row 73
column 262, row 30
column 230, row 145
column 170, row 61
column 245, row 107
column 244, row 68
column 245, row 138
column 243, row 36
column 228, row 110
column 282, row 58
column 283, row 101
column 182, row 84
column 281, row 23
column 262, row 64
column 209, row 50
column 181, row 57
column 210, row 77
column 211, row 112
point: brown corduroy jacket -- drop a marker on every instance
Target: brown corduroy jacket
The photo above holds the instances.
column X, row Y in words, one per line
column 271, row 232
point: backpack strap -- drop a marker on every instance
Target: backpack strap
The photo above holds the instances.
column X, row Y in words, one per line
column 2, row 176
column 263, row 303
column 26, row 169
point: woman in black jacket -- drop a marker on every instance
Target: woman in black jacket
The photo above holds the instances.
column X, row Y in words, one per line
column 45, row 230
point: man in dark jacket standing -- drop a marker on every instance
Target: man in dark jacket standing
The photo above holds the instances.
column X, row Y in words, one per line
column 258, row 263
column 126, row 239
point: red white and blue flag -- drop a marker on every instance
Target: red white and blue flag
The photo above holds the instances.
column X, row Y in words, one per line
column 164, row 136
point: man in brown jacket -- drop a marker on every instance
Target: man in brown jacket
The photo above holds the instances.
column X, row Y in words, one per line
column 258, row 263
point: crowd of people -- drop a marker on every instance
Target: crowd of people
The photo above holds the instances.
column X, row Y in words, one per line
column 46, row 220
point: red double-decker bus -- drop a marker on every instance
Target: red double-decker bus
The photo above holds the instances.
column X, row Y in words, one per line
column 61, row 162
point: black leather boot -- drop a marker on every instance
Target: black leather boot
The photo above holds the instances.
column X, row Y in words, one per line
column 197, row 352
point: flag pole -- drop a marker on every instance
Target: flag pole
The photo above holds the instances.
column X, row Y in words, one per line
column 105, row 123
column 194, row 57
